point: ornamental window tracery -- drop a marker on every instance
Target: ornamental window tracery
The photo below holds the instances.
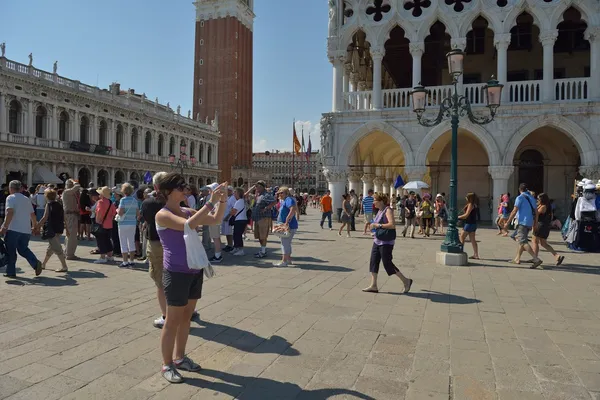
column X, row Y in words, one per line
column 379, row 8
column 417, row 6
column 458, row 4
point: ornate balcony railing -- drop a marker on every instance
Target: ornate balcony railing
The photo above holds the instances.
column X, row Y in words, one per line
column 524, row 91
column 571, row 89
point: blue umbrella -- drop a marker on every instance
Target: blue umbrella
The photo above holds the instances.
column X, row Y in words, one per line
column 147, row 177
column 399, row 182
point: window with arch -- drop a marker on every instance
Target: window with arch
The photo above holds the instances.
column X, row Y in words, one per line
column 202, row 24
column 120, row 137
column 63, row 125
column 172, row 145
column 84, row 129
column 148, row 143
column 134, row 140
column 161, row 144
column 200, row 101
column 209, row 155
column 201, row 153
column 40, row 121
column 15, row 113
column 200, row 81
column 103, row 134
column 201, row 42
column 201, row 61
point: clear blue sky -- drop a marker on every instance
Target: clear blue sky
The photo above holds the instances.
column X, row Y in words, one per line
column 148, row 45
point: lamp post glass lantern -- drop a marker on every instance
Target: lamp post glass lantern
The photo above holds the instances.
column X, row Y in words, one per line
column 453, row 107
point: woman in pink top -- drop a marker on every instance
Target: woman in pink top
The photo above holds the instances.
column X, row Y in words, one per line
column 105, row 215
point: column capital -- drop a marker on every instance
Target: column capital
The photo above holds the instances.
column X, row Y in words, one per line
column 590, row 172
column 415, row 172
column 458, row 43
column 416, row 49
column 502, row 40
column 335, row 174
column 354, row 176
column 592, row 33
column 367, row 178
column 501, row 171
column 547, row 38
column 378, row 180
column 337, row 57
column 377, row 53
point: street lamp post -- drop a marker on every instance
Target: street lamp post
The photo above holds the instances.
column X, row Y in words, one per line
column 182, row 161
column 454, row 107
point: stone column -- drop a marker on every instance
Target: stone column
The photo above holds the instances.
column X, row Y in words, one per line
column 29, row 173
column 354, row 77
column 30, row 127
column 502, row 41
column 336, row 178
column 111, row 177
column 354, row 182
column 347, row 72
column 547, row 39
column 377, row 56
column 385, row 186
column 112, row 136
column 2, row 172
column 378, row 184
column 392, row 188
column 338, row 81
column 500, row 175
column 2, row 119
column 215, row 155
column 75, row 171
column 54, row 123
column 367, row 180
column 415, row 173
column 54, row 168
column 94, row 177
column 75, row 128
column 593, row 35
column 416, row 51
column 590, row 172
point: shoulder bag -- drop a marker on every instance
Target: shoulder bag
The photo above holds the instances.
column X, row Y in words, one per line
column 233, row 217
column 383, row 234
column 97, row 227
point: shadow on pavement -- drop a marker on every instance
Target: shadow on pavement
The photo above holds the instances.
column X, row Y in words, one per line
column 440, row 297
column 253, row 388
column 243, row 340
column 550, row 266
column 60, row 278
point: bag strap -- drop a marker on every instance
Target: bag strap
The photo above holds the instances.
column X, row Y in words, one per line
column 107, row 210
column 243, row 208
column 533, row 211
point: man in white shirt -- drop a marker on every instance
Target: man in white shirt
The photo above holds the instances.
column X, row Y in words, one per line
column 17, row 229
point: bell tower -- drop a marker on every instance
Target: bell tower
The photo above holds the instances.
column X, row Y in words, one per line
column 223, row 76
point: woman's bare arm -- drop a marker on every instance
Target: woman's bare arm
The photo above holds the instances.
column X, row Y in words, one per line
column 467, row 212
column 44, row 218
column 389, row 215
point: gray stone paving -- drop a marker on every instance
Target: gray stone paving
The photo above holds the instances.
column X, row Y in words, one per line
column 486, row 331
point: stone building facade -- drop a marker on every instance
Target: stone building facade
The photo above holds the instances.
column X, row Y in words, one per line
column 281, row 166
column 546, row 132
column 52, row 126
column 223, row 76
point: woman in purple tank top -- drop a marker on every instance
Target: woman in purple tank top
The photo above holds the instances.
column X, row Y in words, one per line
column 182, row 285
column 382, row 250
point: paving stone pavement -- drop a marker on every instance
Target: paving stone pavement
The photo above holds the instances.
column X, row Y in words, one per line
column 487, row 331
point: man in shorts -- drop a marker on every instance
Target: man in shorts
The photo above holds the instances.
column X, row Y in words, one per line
column 367, row 206
column 261, row 214
column 526, row 210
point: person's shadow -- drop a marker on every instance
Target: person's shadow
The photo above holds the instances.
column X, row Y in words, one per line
column 440, row 297
column 256, row 388
column 243, row 340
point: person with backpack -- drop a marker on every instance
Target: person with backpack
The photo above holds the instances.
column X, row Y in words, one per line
column 52, row 225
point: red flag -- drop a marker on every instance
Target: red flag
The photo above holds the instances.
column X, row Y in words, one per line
column 297, row 145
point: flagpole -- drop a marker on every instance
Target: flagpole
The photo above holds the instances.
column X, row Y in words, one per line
column 293, row 152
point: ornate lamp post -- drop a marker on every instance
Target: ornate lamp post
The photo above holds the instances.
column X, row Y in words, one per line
column 454, row 107
column 182, row 161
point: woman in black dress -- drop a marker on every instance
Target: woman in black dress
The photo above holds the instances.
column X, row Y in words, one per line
column 542, row 230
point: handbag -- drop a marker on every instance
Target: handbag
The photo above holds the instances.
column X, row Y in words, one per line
column 384, row 234
column 233, row 217
column 195, row 254
column 47, row 232
column 97, row 227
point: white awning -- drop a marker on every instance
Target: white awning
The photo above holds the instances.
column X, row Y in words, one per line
column 44, row 175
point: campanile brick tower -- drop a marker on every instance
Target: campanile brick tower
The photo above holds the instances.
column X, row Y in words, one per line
column 223, row 76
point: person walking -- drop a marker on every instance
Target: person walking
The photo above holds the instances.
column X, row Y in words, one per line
column 182, row 285
column 527, row 218
column 410, row 213
column 382, row 249
column 346, row 214
column 542, row 230
column 470, row 227
column 367, row 206
column 70, row 200
column 355, row 205
column 105, row 214
column 326, row 209
column 264, row 203
column 17, row 228
column 427, row 215
column 129, row 214
column 52, row 225
column 238, row 220
column 287, row 218
column 441, row 213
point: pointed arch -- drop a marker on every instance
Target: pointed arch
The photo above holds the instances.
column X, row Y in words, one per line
column 540, row 21
column 587, row 15
column 493, row 21
column 450, row 24
column 375, row 126
column 484, row 137
column 581, row 139
column 349, row 33
column 386, row 30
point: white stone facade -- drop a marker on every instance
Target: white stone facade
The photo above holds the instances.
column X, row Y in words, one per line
column 308, row 175
column 547, row 130
column 51, row 124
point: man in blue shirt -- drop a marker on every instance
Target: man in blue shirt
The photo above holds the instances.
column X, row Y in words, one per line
column 527, row 216
column 367, row 206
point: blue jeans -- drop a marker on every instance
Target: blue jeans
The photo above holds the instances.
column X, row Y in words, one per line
column 39, row 213
column 328, row 216
column 18, row 242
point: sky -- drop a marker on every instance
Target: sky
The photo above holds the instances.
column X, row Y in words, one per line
column 148, row 45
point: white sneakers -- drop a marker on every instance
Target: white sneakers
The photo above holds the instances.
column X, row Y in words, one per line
column 237, row 252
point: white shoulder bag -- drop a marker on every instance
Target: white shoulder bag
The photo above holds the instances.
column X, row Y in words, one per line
column 196, row 256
